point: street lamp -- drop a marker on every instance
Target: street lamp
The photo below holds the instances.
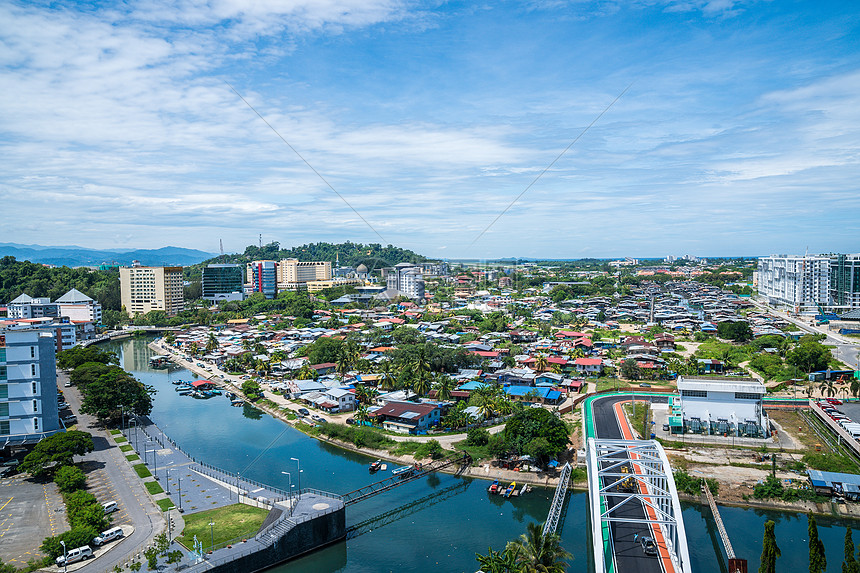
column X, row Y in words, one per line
column 154, row 459
column 299, row 466
column 290, row 490
column 212, row 531
column 167, row 481
column 169, row 523
column 65, row 557
column 179, row 479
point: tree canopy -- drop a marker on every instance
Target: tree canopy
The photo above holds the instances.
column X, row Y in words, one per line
column 536, row 429
column 17, row 277
column 55, row 451
column 115, row 392
column 77, row 355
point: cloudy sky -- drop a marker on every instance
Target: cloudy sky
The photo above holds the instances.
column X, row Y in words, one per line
column 739, row 133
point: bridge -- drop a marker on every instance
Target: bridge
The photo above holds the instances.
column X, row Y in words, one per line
column 632, row 496
column 412, row 474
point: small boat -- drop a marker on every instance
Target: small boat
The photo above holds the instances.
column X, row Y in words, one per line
column 236, row 402
column 230, row 395
column 510, row 489
column 183, row 388
column 177, row 382
column 185, row 392
column 402, row 472
column 526, row 488
column 375, row 466
column 494, row 487
column 215, row 392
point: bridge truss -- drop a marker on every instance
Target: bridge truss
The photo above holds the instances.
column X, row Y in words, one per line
column 621, row 472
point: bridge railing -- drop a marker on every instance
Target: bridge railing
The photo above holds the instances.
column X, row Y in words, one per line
column 557, row 501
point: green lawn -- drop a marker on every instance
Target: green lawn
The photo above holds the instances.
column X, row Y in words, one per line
column 115, row 432
column 165, row 503
column 119, row 439
column 142, row 471
column 132, row 457
column 231, row 522
column 153, row 487
column 125, row 448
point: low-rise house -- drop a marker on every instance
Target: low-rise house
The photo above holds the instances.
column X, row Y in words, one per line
column 341, row 400
column 324, row 368
column 407, row 417
column 589, row 365
column 532, row 394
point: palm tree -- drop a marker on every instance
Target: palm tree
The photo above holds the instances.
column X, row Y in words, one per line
column 193, row 349
column 540, row 362
column 504, row 561
column 421, row 385
column 361, row 414
column 556, row 369
column 538, row 552
column 444, row 385
column 211, row 343
column 306, row 372
column 826, row 387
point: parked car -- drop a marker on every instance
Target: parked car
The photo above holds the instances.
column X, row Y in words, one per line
column 74, row 555
column 108, row 536
column 350, row 421
column 644, row 385
column 835, row 401
column 110, row 507
column 62, row 406
column 304, row 412
column 318, row 418
column 69, row 420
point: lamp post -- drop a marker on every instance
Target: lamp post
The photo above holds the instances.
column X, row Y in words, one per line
column 299, row 467
column 167, row 481
column 212, row 531
column 169, row 523
column 154, row 459
column 179, row 479
column 290, row 490
column 65, row 556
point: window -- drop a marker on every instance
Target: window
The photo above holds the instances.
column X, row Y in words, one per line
column 35, row 405
column 694, row 393
column 34, row 388
column 36, row 424
column 2, row 373
column 746, row 396
column 32, row 369
column 4, row 390
column 4, row 428
column 32, row 352
column 4, row 409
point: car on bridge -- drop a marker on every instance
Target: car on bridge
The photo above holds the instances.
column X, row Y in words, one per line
column 649, row 546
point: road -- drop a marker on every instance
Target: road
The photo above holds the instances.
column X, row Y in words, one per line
column 136, row 506
column 629, row 557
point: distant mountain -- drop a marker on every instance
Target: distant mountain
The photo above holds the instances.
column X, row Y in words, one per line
column 74, row 256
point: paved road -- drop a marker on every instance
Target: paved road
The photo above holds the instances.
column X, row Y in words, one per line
column 629, row 557
column 136, row 506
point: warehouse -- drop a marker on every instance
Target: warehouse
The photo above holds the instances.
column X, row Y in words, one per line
column 729, row 406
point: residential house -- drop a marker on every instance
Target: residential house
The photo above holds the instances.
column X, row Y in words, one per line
column 589, row 366
column 407, row 417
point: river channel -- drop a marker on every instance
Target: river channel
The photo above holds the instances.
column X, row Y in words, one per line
column 432, row 524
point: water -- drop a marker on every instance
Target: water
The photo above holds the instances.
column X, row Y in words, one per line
column 439, row 522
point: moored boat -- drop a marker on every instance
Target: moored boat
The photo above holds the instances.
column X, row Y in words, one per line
column 375, row 466
column 494, row 487
column 510, row 489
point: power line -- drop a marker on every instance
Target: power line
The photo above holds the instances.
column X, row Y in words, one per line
column 548, row 167
column 342, row 198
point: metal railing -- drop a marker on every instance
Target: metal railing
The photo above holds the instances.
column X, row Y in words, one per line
column 724, row 536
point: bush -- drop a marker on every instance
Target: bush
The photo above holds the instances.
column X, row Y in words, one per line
column 692, row 485
column 477, row 437
column 829, row 462
column 75, row 537
column 70, row 478
column 431, row 448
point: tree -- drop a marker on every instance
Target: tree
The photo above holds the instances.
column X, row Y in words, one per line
column 541, row 362
column 250, row 388
column 477, row 437
column 531, row 423
column 211, row 343
column 809, row 354
column 324, row 350
column 77, row 355
column 739, row 331
column 827, row 387
column 770, row 551
column 56, row 450
column 849, row 565
column 817, row 559
column 444, row 386
column 539, row 552
column 504, row 561
column 630, row 369
column 421, row 385
column 114, row 392
column 69, row 478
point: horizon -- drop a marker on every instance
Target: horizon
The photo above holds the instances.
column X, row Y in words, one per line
column 456, row 131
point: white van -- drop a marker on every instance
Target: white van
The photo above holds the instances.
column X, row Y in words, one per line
column 110, row 507
column 108, row 536
column 75, row 555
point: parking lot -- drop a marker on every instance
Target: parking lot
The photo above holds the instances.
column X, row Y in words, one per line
column 29, row 512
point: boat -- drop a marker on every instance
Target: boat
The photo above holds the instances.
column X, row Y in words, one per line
column 183, row 388
column 177, row 382
column 375, row 466
column 510, row 489
column 186, row 392
column 230, row 395
column 402, row 472
column 526, row 488
column 237, row 402
column 494, row 487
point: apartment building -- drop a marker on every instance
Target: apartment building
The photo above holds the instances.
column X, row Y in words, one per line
column 406, row 278
column 144, row 289
column 28, row 387
column 294, row 274
column 25, row 306
column 845, row 280
column 263, row 277
column 800, row 282
column 223, row 282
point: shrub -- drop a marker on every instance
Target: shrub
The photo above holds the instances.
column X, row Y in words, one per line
column 431, row 448
column 829, row 462
column 75, row 537
column 477, row 437
column 70, row 478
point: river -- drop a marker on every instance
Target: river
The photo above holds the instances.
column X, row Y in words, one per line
column 433, row 524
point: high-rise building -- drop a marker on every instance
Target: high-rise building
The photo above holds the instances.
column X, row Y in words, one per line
column 845, row 280
column 79, row 307
column 406, row 278
column 294, row 274
column 263, row 277
column 223, row 282
column 801, row 282
column 28, row 387
column 25, row 306
column 144, row 289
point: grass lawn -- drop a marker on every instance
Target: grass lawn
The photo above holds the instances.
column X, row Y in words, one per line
column 142, row 471
column 132, row 457
column 119, row 439
column 125, row 448
column 165, row 503
column 153, row 487
column 115, row 432
column 478, row 453
column 231, row 522
column 610, row 384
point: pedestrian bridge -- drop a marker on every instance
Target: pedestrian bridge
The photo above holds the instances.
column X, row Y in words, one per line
column 632, row 495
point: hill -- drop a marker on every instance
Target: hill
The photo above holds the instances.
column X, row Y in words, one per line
column 73, row 256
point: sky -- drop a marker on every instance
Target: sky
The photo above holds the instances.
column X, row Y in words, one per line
column 542, row 128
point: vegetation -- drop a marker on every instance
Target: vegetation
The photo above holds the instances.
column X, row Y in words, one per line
column 78, row 355
column 772, row 488
column 142, row 471
column 153, row 487
column 532, row 552
column 770, row 550
column 69, row 479
column 231, row 522
column 739, row 331
column 817, row 559
column 538, row 432
column 693, row 486
column 849, row 565
column 56, row 451
column 830, row 462
column 362, row 437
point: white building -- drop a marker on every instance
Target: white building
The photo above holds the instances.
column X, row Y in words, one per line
column 28, row 387
column 25, row 306
column 144, row 289
column 79, row 307
column 801, row 282
column 406, row 278
column 732, row 406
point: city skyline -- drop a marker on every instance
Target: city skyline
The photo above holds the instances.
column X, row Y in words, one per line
column 738, row 134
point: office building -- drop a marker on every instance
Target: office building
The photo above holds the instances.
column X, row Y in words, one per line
column 799, row 282
column 25, row 306
column 263, row 277
column 407, row 279
column 28, row 387
column 722, row 406
column 78, row 307
column 223, row 282
column 845, row 281
column 294, row 274
column 144, row 289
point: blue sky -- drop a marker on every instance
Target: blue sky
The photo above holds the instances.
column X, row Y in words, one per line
column 739, row 133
